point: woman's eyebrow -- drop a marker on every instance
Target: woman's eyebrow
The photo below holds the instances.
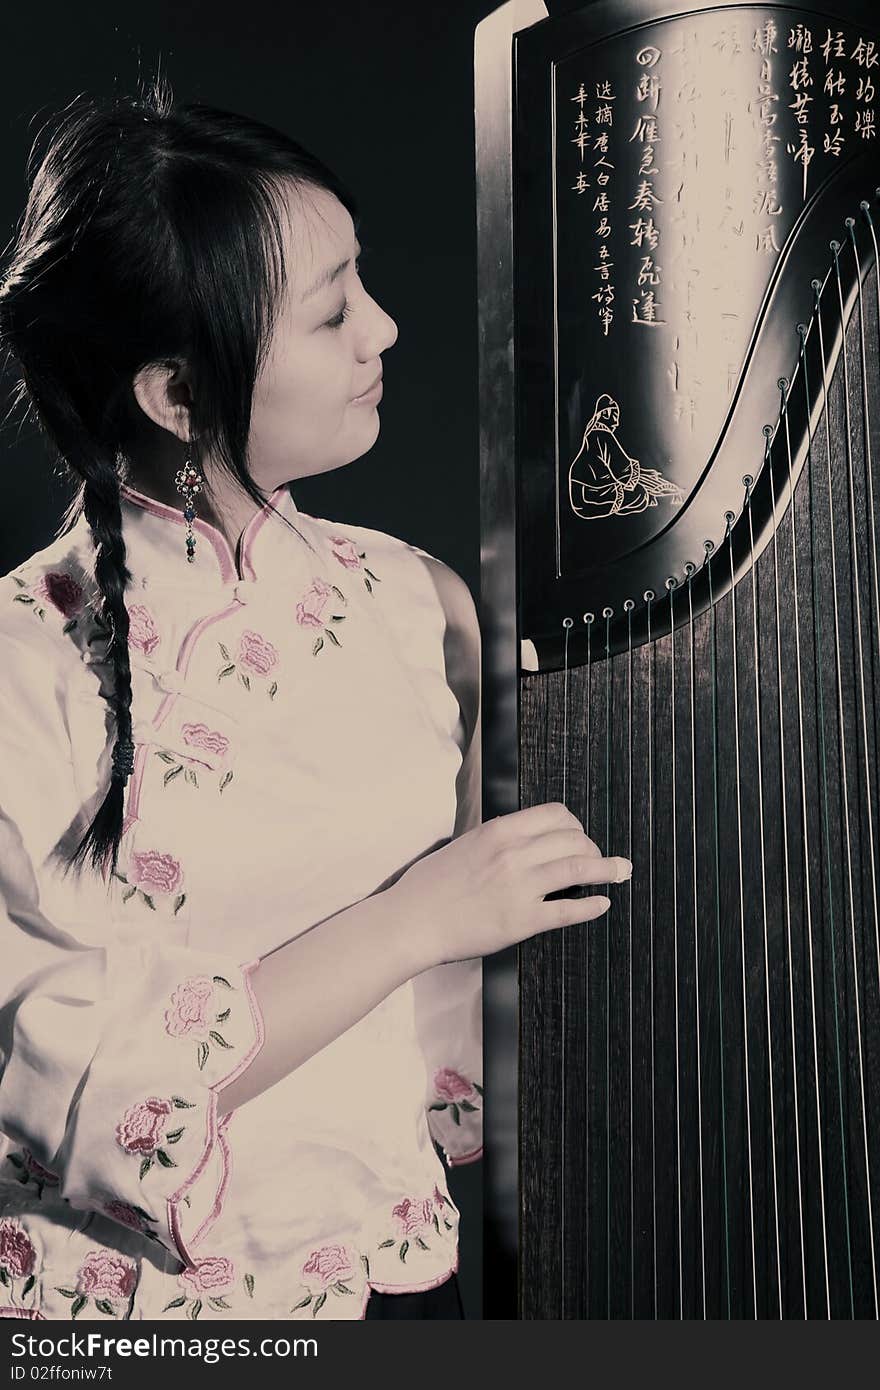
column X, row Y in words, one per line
column 328, row 276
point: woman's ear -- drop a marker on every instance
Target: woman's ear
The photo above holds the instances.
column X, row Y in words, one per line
column 162, row 391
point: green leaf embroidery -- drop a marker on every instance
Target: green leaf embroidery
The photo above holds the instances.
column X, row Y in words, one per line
column 215, row 1037
column 273, row 690
column 373, row 576
column 342, row 1288
column 148, row 900
column 455, row 1115
column 384, row 1245
column 204, row 1052
column 303, row 1303
column 164, row 1159
column 66, row 1293
column 15, row 1160
column 194, row 1309
column 339, row 594
column 226, row 780
column 366, row 1264
column 478, row 1089
column 120, row 876
column 221, row 1018
column 218, row 1303
column 438, row 1105
column 104, row 1307
column 166, row 757
column 69, row 625
column 436, row 1223
column 403, row 1249
column 77, row 1306
column 129, row 893
column 422, row 1244
column 28, row 1286
column 319, row 642
column 183, row 1104
column 175, row 1303
column 466, row 1105
column 245, row 680
column 227, row 671
column 221, row 980
column 19, row 581
column 223, row 652
column 146, row 1165
column 333, row 638
column 173, row 1136
column 369, row 585
column 337, row 617
column 23, row 1178
column 4, row 1277
column 191, row 776
column 319, row 1303
column 178, row 903
column 172, row 773
column 22, row 598
column 249, row 1285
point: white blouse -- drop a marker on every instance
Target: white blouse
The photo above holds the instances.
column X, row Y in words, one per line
column 297, row 745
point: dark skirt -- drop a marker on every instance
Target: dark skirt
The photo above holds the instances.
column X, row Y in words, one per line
column 442, row 1302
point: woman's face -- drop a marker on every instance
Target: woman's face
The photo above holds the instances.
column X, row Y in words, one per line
column 325, row 352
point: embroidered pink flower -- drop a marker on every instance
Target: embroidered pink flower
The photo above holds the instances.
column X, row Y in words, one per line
column 17, row 1254
column 413, row 1216
column 329, row 1264
column 214, row 1272
column 451, row 1086
column 311, row 606
column 143, row 1128
column 256, row 655
column 190, row 1005
column 125, row 1215
column 153, row 872
column 200, row 736
column 142, row 631
column 346, row 552
column 62, row 591
column 36, row 1170
column 106, row 1275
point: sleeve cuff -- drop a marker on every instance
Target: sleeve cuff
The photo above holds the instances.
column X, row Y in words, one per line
column 145, row 1145
column 455, row 1116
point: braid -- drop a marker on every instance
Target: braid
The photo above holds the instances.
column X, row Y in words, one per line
column 101, row 506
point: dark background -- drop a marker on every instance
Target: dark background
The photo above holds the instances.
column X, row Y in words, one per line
column 383, row 92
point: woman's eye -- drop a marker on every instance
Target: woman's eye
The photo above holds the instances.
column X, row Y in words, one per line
column 340, row 318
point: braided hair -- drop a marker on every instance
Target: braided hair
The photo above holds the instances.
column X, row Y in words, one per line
column 152, row 234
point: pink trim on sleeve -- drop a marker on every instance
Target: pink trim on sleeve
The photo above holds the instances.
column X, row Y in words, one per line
column 457, row 1162
column 216, row 1134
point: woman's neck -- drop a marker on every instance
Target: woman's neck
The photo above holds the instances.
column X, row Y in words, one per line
column 222, row 503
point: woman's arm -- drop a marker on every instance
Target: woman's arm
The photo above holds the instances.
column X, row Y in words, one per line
column 313, row 988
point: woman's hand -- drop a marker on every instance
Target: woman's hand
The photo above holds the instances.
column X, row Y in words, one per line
column 486, row 889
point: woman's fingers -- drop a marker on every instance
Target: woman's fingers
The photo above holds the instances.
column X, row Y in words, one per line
column 575, row 869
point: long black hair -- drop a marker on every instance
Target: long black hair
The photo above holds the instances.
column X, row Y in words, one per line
column 152, row 233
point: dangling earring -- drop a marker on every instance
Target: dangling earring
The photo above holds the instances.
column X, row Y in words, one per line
column 188, row 481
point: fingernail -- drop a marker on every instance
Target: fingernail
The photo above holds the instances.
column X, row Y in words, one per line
column 606, row 903
column 625, row 871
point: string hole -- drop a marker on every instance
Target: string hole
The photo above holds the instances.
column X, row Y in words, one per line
column 849, row 222
column 816, row 285
column 648, row 595
column 865, row 205
column 782, row 383
column 730, row 517
column 767, row 431
column 690, row 567
column 835, row 246
column 747, row 480
column 567, row 622
column 589, row 617
column 607, row 612
column 671, row 581
column 802, row 330
column 628, row 605
column 708, row 546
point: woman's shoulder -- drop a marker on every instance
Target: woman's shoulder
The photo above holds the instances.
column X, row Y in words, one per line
column 48, row 596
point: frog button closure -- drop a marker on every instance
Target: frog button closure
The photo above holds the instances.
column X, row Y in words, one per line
column 170, row 681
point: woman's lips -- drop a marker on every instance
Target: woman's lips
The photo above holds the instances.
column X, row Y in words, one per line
column 372, row 391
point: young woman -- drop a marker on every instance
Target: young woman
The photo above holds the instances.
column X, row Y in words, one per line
column 244, row 883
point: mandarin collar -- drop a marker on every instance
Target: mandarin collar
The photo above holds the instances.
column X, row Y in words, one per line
column 156, row 552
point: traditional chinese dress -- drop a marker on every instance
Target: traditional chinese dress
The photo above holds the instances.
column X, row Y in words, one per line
column 297, row 746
